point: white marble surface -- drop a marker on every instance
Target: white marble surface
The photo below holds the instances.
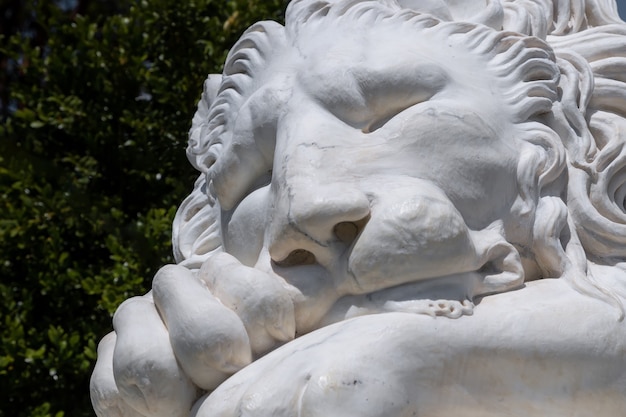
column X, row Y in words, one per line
column 405, row 207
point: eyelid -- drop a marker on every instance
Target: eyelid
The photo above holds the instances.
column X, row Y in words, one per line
column 381, row 121
column 377, row 124
column 387, row 96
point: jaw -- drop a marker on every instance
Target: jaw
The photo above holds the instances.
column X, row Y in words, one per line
column 322, row 298
column 448, row 296
column 318, row 303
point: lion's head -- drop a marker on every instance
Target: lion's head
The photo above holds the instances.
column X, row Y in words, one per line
column 368, row 145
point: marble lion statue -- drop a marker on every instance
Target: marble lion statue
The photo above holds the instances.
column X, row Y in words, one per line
column 405, row 208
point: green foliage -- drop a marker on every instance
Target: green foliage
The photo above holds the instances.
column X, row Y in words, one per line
column 92, row 167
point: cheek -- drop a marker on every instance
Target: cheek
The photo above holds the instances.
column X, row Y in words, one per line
column 482, row 189
column 243, row 227
column 412, row 239
column 474, row 166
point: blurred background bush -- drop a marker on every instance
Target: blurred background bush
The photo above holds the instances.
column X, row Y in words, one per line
column 96, row 97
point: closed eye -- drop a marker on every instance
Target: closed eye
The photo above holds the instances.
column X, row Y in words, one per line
column 387, row 95
column 380, row 121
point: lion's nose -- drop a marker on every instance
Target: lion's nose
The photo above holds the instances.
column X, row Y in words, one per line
column 311, row 224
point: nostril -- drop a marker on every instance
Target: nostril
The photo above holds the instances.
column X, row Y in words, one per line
column 297, row 257
column 347, row 232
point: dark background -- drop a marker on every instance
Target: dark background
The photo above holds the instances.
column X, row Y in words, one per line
column 96, row 97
